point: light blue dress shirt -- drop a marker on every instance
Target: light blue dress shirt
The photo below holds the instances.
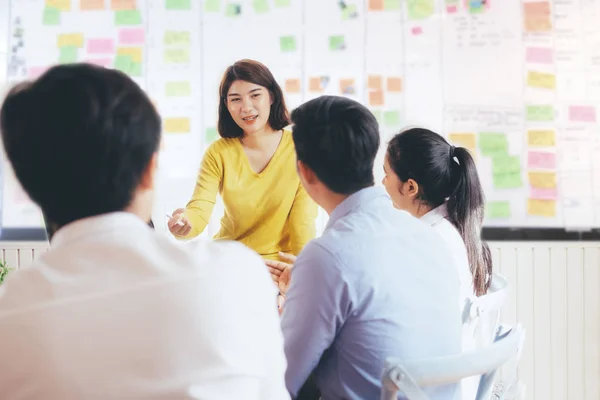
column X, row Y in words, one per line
column 378, row 283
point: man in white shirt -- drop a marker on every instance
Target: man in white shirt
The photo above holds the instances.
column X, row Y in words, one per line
column 114, row 311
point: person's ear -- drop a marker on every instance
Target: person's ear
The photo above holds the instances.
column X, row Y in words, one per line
column 412, row 188
column 147, row 179
column 306, row 174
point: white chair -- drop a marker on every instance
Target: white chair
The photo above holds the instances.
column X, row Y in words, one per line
column 411, row 376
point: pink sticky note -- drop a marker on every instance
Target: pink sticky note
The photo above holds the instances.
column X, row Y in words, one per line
column 100, row 46
column 541, row 159
column 543, row 194
column 131, row 36
column 539, row 55
column 103, row 62
column 34, row 72
column 417, row 30
column 582, row 113
column 451, row 9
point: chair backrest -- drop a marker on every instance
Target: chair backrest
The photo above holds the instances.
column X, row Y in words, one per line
column 411, row 376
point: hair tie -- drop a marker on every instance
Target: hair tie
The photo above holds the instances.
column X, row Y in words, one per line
column 451, row 152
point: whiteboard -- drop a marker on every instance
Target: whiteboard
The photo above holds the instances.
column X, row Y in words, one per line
column 516, row 82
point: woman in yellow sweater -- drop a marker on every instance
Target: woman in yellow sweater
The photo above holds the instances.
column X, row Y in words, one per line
column 253, row 167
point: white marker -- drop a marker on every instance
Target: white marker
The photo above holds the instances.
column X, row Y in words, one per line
column 180, row 223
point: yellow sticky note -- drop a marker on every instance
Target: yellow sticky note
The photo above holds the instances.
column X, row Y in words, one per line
column 134, row 52
column 70, row 40
column 541, row 80
column 177, row 125
column 177, row 38
column 466, row 140
column 541, row 208
column 62, row 5
column 177, row 56
column 542, row 180
column 541, row 138
column 178, row 89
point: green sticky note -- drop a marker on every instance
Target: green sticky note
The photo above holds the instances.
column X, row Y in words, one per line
column 233, row 10
column 123, row 63
column 391, row 5
column 377, row 114
column 502, row 165
column 508, row 181
column 420, row 9
column 51, row 16
column 178, row 89
column 177, row 56
column 135, row 69
column 282, row 3
column 213, row 6
column 498, row 209
column 492, row 144
column 68, row 54
column 350, row 11
column 476, row 6
column 391, row 118
column 337, row 42
column 177, row 38
column 211, row 135
column 260, row 6
column 540, row 113
column 178, row 5
column 128, row 17
column 287, row 44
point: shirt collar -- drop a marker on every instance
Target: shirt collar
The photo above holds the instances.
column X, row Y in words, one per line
column 435, row 215
column 354, row 201
column 93, row 226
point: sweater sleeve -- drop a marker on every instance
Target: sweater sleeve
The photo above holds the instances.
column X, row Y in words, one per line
column 302, row 220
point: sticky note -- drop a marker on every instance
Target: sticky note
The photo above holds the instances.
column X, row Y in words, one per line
column 212, row 6
column 497, row 209
column 68, row 54
column 378, row 115
column 135, row 69
column 177, row 56
column 541, row 208
column 337, row 42
column 178, row 5
column 211, row 135
column 128, row 17
column 417, row 9
column 492, row 144
column 347, row 86
column 123, row 63
column 539, row 113
column 536, row 8
column 392, row 5
column 537, row 24
column 233, row 10
column 176, row 125
column 541, row 138
column 504, row 164
column 173, row 38
column 62, row 5
column 282, row 3
column 287, row 44
column 477, row 6
column 541, row 159
column 135, row 53
column 91, row 5
column 582, row 114
column 541, row 80
column 542, row 180
column 546, row 194
column 391, row 118
column 466, row 140
column 374, row 82
column 452, row 9
column 70, row 40
column 122, row 4
column 394, row 84
column 314, row 84
column 34, row 72
column 293, row 85
column 99, row 46
column 417, row 30
column 349, row 12
column 102, row 62
column 539, row 55
column 131, row 36
column 260, row 6
column 376, row 5
column 376, row 98
column 178, row 89
column 51, row 16
column 508, row 181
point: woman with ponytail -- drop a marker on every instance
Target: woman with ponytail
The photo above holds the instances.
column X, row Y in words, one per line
column 438, row 183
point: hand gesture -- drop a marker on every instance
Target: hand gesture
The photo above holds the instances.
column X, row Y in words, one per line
column 178, row 224
column 281, row 270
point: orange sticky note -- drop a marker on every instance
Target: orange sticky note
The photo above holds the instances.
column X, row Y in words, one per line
column 70, row 40
column 542, row 180
column 376, row 5
column 62, row 5
column 347, row 86
column 394, row 84
column 537, row 8
column 91, row 5
column 122, row 4
column 177, row 125
column 374, row 82
column 541, row 208
column 538, row 24
column 376, row 98
column 314, row 84
column 293, row 85
column 466, row 140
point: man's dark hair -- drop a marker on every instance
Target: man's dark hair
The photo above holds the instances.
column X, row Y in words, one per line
column 79, row 139
column 338, row 139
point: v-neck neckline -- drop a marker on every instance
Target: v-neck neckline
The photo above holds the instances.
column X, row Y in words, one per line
column 265, row 169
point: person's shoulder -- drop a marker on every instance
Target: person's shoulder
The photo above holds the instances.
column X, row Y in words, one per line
column 222, row 146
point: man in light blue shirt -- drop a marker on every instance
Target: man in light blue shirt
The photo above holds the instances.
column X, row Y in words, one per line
column 377, row 283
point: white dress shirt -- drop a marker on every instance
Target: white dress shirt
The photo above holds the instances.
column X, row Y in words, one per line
column 115, row 311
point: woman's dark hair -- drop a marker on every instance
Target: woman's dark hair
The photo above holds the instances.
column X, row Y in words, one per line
column 257, row 73
column 446, row 173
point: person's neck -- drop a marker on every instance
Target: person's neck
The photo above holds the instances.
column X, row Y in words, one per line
column 332, row 201
column 421, row 209
column 261, row 138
